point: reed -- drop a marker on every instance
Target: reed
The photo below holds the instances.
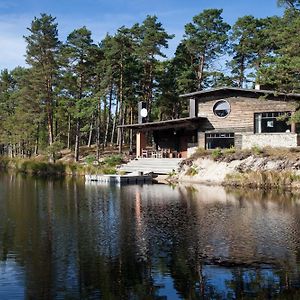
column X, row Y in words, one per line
column 263, row 179
column 43, row 168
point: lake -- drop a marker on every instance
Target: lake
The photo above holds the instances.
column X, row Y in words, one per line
column 64, row 239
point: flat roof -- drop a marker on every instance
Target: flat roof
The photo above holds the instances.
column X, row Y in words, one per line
column 240, row 90
column 168, row 124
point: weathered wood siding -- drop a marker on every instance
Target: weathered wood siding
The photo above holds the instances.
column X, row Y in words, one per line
column 241, row 117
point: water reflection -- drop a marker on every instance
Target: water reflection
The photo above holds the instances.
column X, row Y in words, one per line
column 64, row 239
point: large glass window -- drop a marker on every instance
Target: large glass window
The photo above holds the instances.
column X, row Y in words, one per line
column 272, row 122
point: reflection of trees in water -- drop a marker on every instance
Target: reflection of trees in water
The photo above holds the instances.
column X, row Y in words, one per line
column 78, row 241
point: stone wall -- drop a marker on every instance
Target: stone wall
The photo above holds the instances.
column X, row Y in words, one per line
column 285, row 139
column 191, row 151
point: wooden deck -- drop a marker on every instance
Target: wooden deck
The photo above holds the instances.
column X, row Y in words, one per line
column 132, row 178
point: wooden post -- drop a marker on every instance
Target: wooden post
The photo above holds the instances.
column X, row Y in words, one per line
column 140, row 143
column 293, row 127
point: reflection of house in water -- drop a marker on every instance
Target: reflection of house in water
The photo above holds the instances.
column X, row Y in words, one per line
column 223, row 117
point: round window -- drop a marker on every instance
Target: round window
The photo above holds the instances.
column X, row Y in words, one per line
column 221, row 109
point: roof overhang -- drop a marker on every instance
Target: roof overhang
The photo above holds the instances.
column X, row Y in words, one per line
column 241, row 91
column 190, row 123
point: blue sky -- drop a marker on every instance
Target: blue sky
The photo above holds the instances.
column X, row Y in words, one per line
column 102, row 16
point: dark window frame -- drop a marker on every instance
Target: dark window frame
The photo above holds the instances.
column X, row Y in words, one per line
column 216, row 137
column 218, row 103
column 279, row 126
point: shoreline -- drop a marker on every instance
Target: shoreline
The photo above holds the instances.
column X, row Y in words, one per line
column 267, row 168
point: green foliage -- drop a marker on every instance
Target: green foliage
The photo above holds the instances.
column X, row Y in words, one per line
column 90, row 159
column 54, row 149
column 113, row 160
column 263, row 179
column 281, row 69
column 200, row 152
column 42, row 55
column 216, row 153
column 77, row 92
column 257, row 150
column 230, row 150
column 33, row 167
column 294, row 4
column 172, row 174
column 192, row 171
column 109, row 170
column 205, row 39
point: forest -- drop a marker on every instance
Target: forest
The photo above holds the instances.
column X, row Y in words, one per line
column 76, row 92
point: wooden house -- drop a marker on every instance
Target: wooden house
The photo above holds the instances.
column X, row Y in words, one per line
column 223, row 118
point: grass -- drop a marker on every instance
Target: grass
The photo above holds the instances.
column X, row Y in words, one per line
column 192, row 171
column 230, row 154
column 35, row 167
column 263, row 179
column 216, row 153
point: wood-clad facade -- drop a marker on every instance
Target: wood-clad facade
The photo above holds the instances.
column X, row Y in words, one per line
column 228, row 117
column 241, row 116
column 263, row 114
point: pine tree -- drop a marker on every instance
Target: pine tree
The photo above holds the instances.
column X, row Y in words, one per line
column 244, row 39
column 281, row 70
column 205, row 40
column 79, row 70
column 294, row 4
column 152, row 38
column 41, row 54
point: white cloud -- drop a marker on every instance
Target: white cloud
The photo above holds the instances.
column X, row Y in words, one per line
column 13, row 47
column 14, row 26
column 12, row 52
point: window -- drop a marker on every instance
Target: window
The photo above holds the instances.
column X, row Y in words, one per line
column 221, row 108
column 271, row 122
column 219, row 140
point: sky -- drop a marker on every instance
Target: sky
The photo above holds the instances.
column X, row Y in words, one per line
column 106, row 16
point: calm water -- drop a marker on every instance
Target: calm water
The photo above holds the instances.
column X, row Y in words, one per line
column 62, row 239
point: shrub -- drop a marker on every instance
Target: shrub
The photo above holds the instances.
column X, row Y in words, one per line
column 109, row 171
column 113, row 160
column 257, row 150
column 230, row 150
column 54, row 149
column 192, row 171
column 200, row 152
column 90, row 159
column 172, row 174
column 216, row 153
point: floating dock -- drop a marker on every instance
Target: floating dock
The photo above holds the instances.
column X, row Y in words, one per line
column 131, row 178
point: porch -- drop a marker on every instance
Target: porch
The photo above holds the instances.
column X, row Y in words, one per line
column 166, row 139
column 160, row 153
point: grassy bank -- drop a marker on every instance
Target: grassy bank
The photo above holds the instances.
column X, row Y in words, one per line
column 228, row 155
column 264, row 179
column 255, row 168
column 43, row 168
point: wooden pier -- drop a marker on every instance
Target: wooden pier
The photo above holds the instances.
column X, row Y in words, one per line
column 132, row 178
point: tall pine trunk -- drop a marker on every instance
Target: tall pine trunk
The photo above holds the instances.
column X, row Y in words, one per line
column 122, row 110
column 90, row 133
column 131, row 130
column 69, row 132
column 108, row 120
column 115, row 122
column 98, row 128
column 77, row 140
column 200, row 71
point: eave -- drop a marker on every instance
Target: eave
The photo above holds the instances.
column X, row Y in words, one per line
column 189, row 123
